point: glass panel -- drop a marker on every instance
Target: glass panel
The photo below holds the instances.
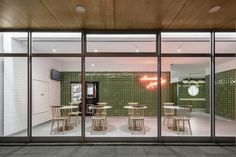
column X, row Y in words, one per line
column 13, row 42
column 185, row 43
column 13, row 96
column 56, row 42
column 189, row 97
column 225, row 42
column 121, row 43
column 56, row 96
column 125, row 89
column 225, row 89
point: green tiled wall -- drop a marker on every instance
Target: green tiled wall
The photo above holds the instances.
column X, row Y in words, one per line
column 66, row 79
column 118, row 88
column 183, row 93
column 225, row 85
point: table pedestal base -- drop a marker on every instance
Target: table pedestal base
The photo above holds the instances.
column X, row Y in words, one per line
column 67, row 128
column 135, row 128
column 100, row 128
column 174, row 128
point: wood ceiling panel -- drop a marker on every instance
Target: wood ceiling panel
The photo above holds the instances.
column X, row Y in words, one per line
column 169, row 10
column 117, row 14
column 230, row 25
column 25, row 14
column 137, row 14
column 99, row 13
column 195, row 15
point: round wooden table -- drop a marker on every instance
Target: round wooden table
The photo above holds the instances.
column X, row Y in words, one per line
column 133, row 107
column 102, row 103
column 98, row 109
column 65, row 111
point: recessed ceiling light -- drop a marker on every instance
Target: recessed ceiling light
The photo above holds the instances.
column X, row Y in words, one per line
column 80, row 9
column 214, row 9
column 54, row 50
column 92, row 65
column 178, row 50
column 95, row 50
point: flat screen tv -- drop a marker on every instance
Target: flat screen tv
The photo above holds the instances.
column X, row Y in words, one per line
column 55, row 75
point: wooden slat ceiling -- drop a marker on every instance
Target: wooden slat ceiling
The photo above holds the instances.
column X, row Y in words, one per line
column 117, row 14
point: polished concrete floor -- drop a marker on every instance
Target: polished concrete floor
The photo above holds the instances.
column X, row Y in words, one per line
column 118, row 127
column 117, row 151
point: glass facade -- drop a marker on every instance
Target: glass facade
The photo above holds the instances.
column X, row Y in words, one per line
column 127, row 86
column 133, row 43
column 77, row 86
column 189, row 88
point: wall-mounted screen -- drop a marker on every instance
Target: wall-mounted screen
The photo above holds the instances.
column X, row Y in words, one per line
column 55, row 75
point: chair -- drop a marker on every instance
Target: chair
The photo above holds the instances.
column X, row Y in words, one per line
column 131, row 110
column 57, row 117
column 75, row 113
column 183, row 114
column 168, row 113
column 137, row 119
column 104, row 111
column 98, row 119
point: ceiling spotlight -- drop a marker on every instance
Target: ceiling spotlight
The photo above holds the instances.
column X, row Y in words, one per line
column 95, row 50
column 80, row 9
column 54, row 50
column 178, row 50
column 214, row 9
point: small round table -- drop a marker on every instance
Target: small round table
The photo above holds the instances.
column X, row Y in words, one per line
column 65, row 111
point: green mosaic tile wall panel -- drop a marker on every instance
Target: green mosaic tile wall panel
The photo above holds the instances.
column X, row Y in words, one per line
column 183, row 93
column 66, row 79
column 119, row 88
column 225, row 92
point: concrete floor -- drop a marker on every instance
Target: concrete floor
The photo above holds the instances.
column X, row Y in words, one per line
column 118, row 127
column 117, row 151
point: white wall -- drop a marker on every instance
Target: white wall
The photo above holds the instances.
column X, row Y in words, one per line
column 1, row 97
column 15, row 95
column 181, row 71
column 41, row 72
column 226, row 65
column 107, row 65
column 14, row 75
column 1, row 86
